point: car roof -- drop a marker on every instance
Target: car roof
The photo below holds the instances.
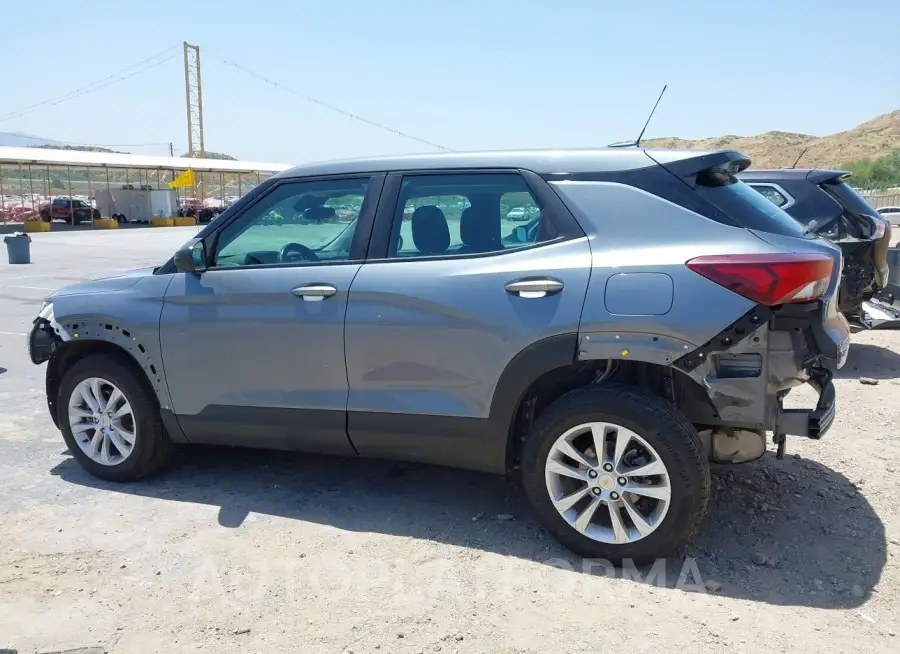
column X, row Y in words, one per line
column 539, row 161
column 814, row 175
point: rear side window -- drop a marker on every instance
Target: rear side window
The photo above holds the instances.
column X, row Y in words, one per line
column 745, row 206
column 771, row 193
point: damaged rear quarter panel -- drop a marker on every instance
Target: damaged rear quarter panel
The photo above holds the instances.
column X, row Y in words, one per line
column 660, row 237
column 123, row 313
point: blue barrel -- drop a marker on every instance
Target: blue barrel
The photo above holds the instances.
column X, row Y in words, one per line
column 18, row 248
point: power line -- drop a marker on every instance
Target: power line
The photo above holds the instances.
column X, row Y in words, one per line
column 321, row 103
column 114, row 78
column 87, row 145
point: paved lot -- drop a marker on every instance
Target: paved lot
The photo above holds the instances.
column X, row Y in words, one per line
column 237, row 551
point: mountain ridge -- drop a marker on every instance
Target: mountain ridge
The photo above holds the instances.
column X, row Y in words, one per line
column 777, row 149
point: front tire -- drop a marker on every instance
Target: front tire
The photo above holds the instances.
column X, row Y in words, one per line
column 110, row 420
column 614, row 472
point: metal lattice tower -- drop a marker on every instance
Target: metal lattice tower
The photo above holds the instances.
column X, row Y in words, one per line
column 194, row 100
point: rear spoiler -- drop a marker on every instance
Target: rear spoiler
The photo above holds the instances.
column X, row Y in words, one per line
column 827, row 176
column 686, row 169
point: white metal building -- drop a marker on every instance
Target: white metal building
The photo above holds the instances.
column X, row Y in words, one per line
column 30, row 177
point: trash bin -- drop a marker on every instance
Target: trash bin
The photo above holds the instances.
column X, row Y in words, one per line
column 18, row 247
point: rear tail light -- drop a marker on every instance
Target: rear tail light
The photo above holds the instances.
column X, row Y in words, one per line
column 880, row 228
column 769, row 279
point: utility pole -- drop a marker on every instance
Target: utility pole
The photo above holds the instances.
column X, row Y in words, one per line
column 194, row 102
column 172, row 154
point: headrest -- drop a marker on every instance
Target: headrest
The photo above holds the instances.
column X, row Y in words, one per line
column 319, row 213
column 430, row 232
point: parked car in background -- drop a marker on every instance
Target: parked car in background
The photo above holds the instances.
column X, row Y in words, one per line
column 639, row 329
column 72, row 211
column 517, row 214
column 823, row 202
column 195, row 208
column 891, row 213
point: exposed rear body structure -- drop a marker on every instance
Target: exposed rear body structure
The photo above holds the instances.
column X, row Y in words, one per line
column 826, row 205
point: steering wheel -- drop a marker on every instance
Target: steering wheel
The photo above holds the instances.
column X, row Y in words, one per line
column 296, row 252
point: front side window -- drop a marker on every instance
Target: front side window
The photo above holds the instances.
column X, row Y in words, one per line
column 295, row 223
column 465, row 214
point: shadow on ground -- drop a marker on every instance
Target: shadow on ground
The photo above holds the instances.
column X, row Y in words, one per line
column 787, row 533
column 2, row 370
column 866, row 360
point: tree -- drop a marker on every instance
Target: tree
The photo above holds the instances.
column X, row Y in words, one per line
column 883, row 172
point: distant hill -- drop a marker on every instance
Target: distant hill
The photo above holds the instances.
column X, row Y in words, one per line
column 22, row 140
column 870, row 140
column 214, row 155
column 80, row 148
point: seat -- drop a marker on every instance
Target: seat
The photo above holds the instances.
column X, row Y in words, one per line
column 475, row 232
column 430, row 232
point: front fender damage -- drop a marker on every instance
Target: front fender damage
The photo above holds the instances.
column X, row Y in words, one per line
column 46, row 335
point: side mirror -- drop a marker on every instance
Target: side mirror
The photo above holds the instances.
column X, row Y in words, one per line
column 191, row 257
column 522, row 234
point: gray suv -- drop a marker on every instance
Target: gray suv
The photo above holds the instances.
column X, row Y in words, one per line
column 650, row 319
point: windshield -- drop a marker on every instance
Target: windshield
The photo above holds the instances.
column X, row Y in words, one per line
column 746, row 206
column 341, row 242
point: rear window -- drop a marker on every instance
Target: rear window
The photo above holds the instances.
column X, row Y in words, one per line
column 849, row 198
column 745, row 206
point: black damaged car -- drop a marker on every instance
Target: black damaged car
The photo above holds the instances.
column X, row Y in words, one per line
column 827, row 206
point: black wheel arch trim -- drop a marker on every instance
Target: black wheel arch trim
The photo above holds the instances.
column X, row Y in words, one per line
column 104, row 336
column 531, row 363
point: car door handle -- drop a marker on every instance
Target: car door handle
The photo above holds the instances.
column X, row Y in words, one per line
column 534, row 287
column 314, row 292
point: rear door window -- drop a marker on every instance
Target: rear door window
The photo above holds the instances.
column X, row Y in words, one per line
column 466, row 214
column 745, row 206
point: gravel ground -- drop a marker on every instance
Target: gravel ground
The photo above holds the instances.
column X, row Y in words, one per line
column 244, row 551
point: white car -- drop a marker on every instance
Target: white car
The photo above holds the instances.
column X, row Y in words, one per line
column 517, row 213
column 891, row 213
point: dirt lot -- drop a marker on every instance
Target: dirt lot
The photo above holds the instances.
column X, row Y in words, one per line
column 239, row 551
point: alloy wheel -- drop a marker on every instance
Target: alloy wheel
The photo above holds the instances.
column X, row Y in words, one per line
column 608, row 483
column 102, row 421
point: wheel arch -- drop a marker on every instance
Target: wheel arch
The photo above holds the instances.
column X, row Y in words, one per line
column 68, row 353
column 552, row 367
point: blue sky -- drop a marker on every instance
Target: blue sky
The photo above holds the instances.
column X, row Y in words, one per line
column 463, row 74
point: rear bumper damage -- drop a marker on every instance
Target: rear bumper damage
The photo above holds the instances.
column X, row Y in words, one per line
column 811, row 423
column 749, row 369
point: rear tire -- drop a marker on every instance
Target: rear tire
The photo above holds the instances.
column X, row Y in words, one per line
column 644, row 420
column 151, row 448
